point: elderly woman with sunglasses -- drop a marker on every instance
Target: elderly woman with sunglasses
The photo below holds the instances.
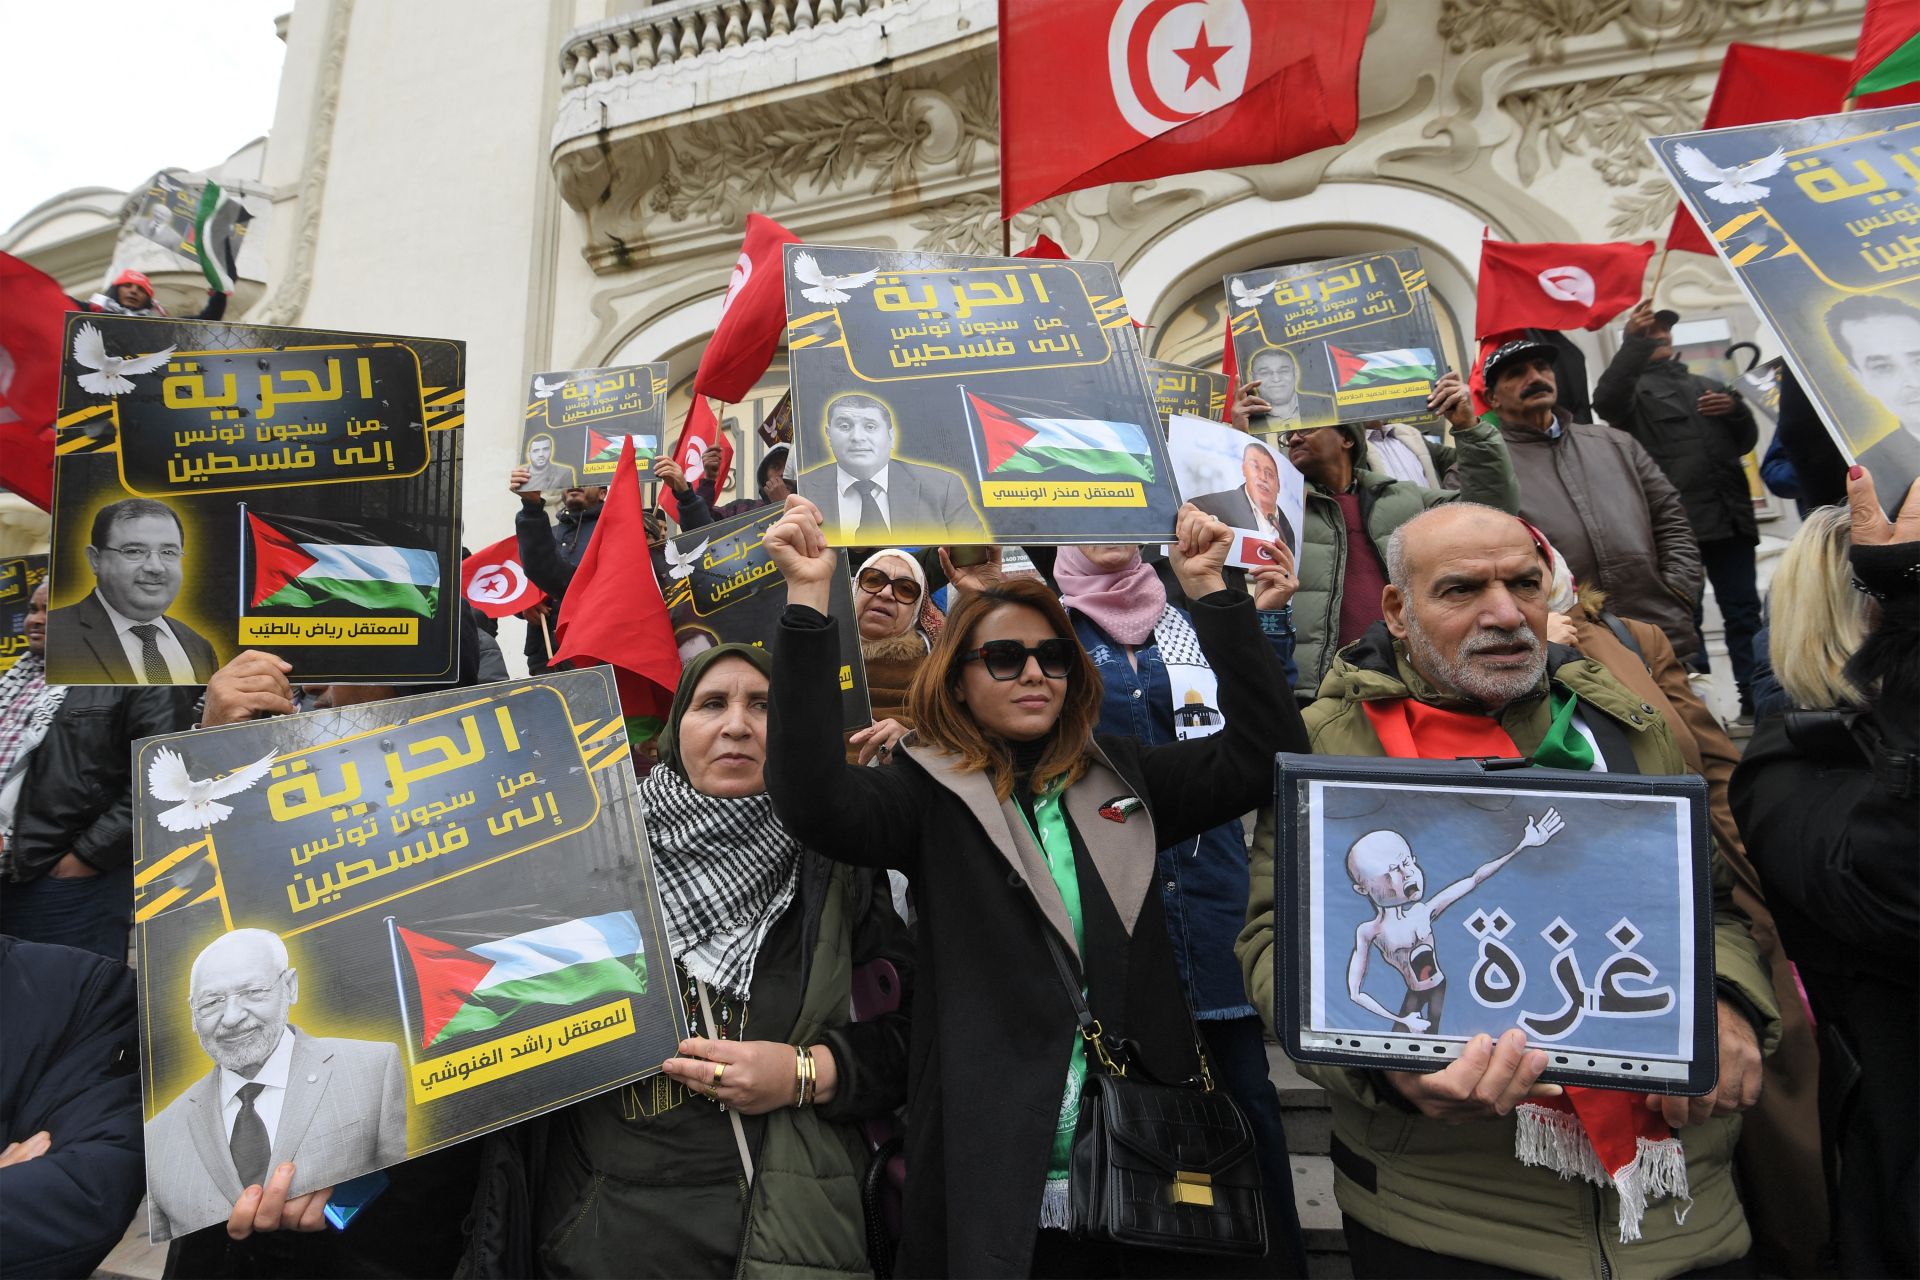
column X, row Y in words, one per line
column 1015, row 822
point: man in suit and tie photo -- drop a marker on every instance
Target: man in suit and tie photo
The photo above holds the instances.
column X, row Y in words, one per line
column 120, row 634
column 334, row 1109
column 1256, row 503
column 869, row 498
column 1878, row 335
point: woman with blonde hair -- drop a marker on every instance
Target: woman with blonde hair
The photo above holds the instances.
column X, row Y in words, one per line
column 1031, row 842
column 1815, row 618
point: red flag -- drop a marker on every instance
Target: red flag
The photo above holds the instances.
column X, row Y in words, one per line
column 1758, row 85
column 1477, row 384
column 1230, row 367
column 614, row 613
column 495, row 582
column 751, row 317
column 1044, row 247
column 1557, row 286
column 700, row 433
column 1888, row 55
column 1158, row 87
column 33, row 310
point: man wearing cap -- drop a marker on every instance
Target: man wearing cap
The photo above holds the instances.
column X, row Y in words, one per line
column 1598, row 495
column 770, row 475
column 131, row 294
column 1351, row 510
column 1697, row 431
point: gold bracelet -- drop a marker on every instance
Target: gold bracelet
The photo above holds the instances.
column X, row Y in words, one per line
column 799, row 1077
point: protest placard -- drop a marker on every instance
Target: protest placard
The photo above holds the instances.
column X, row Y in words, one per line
column 1340, row 340
column 19, row 575
column 1433, row 902
column 1180, row 388
column 427, row 917
column 942, row 398
column 577, row 420
column 723, row 588
column 1818, row 221
column 1241, row 480
column 221, row 487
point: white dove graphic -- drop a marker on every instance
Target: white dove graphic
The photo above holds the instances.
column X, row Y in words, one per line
column 197, row 799
column 1243, row 298
column 110, row 376
column 1738, row 185
column 681, row 566
column 827, row 289
column 542, row 389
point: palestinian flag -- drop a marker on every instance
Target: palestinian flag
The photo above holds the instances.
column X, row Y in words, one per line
column 1380, row 368
column 1888, row 54
column 472, row 988
column 218, row 223
column 606, row 449
column 301, row 563
column 1032, row 437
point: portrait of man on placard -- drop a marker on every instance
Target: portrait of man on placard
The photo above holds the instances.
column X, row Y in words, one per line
column 543, row 472
column 120, row 633
column 1240, row 480
column 333, row 1108
column 870, row 498
column 1878, row 335
column 1277, row 373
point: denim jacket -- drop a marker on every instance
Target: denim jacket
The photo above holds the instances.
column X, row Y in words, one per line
column 1203, row 882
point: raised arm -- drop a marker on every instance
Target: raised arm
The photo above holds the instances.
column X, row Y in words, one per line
column 1539, row 831
column 868, row 817
column 1195, row 785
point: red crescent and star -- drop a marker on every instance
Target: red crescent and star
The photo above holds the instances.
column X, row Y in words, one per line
column 1200, row 58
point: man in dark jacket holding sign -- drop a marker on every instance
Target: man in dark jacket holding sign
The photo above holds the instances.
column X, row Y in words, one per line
column 1698, row 431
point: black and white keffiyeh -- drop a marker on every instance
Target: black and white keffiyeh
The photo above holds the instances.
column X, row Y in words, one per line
column 727, row 871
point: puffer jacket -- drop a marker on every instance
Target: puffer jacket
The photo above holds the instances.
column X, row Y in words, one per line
column 1654, row 401
column 804, row 1214
column 1621, row 504
column 1485, row 475
column 1457, row 1189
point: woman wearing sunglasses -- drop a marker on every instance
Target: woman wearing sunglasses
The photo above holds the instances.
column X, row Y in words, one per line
column 890, row 608
column 1013, row 819
column 1158, row 687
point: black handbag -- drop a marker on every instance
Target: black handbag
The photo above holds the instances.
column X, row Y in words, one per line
column 1155, row 1165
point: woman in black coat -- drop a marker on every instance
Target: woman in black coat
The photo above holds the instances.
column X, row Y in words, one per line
column 1011, row 819
column 1829, row 801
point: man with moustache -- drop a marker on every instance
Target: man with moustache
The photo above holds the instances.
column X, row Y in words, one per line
column 1431, row 1173
column 66, row 797
column 120, row 634
column 1256, row 503
column 334, row 1109
column 1598, row 496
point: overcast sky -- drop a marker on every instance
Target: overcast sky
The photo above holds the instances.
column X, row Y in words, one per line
column 101, row 93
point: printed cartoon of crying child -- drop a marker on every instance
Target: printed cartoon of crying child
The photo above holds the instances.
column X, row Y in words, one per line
column 1383, row 870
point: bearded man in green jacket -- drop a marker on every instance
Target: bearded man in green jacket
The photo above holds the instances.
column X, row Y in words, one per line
column 1426, row 1170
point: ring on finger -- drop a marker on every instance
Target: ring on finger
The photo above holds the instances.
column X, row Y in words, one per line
column 719, row 1068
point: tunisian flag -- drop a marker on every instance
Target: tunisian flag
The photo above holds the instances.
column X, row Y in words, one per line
column 699, row 434
column 751, row 316
column 1759, row 85
column 495, row 582
column 1126, row 90
column 1557, row 286
column 33, row 317
column 613, row 611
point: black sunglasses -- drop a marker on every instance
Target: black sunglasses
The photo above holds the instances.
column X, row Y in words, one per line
column 873, row 582
column 1006, row 659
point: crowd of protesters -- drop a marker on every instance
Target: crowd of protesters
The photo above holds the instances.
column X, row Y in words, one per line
column 1031, row 827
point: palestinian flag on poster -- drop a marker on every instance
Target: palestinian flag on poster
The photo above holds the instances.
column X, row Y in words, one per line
column 478, row 986
column 1381, row 368
column 605, row 450
column 1034, row 437
column 219, row 222
column 302, row 563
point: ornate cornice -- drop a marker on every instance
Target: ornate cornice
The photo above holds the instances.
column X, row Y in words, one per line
column 289, row 297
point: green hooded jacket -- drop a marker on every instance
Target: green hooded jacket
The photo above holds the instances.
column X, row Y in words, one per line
column 1485, row 474
column 1457, row 1189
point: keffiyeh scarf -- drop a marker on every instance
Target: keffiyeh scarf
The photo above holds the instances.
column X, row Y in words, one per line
column 727, row 871
column 27, row 707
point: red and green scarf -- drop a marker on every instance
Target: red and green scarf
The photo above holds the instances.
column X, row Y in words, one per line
column 1606, row 1136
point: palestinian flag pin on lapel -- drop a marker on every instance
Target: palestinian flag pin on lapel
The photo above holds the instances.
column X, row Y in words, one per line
column 1120, row 808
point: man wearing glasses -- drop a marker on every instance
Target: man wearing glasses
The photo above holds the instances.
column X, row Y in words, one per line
column 334, row 1109
column 120, row 634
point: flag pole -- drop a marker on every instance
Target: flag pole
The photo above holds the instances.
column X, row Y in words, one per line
column 1006, row 238
column 1659, row 270
column 547, row 636
column 241, row 585
column 399, row 986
